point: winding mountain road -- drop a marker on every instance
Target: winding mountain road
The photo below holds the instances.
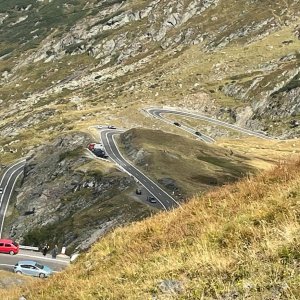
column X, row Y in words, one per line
column 165, row 200
column 111, row 148
column 7, row 261
column 7, row 183
column 159, row 112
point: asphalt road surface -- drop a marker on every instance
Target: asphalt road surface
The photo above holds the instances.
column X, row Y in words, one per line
column 164, row 199
column 7, row 261
column 159, row 112
column 7, row 183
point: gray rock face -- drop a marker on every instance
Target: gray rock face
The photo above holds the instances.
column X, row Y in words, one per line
column 58, row 193
column 138, row 156
column 14, row 127
column 84, row 36
column 273, row 102
column 124, row 38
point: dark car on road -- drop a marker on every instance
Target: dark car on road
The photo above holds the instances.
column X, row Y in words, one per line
column 1, row 191
column 99, row 153
column 177, row 124
column 198, row 133
column 138, row 191
column 151, row 199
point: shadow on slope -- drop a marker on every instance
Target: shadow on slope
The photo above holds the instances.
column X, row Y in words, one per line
column 184, row 166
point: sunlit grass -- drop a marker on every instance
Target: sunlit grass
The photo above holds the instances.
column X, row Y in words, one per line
column 242, row 238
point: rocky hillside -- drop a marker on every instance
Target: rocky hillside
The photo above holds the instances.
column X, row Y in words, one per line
column 67, row 65
column 68, row 199
column 89, row 57
column 182, row 166
column 238, row 242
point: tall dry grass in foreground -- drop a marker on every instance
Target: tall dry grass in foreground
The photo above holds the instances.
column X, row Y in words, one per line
column 239, row 241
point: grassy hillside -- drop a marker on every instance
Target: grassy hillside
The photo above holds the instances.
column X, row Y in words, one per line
column 239, row 241
column 47, row 64
column 184, row 165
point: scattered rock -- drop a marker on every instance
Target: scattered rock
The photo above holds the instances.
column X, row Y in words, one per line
column 171, row 287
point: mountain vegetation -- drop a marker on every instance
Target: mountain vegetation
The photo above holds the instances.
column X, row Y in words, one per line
column 238, row 241
column 68, row 66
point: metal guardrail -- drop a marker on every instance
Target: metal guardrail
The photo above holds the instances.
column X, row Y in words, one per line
column 29, row 248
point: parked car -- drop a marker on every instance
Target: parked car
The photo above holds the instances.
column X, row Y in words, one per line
column 151, row 199
column 198, row 133
column 1, row 191
column 99, row 153
column 9, row 246
column 111, row 127
column 176, row 123
column 138, row 191
column 32, row 268
column 91, row 146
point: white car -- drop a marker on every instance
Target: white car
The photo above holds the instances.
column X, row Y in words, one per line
column 1, row 191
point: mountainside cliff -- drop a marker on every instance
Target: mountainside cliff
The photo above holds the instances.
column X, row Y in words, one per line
column 240, row 241
column 68, row 65
column 80, row 55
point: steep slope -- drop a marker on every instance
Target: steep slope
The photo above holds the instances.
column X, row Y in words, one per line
column 68, row 65
column 183, row 166
column 240, row 241
column 94, row 59
column 75, row 199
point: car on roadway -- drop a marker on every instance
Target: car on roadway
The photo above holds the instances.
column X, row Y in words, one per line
column 93, row 146
column 198, row 133
column 1, row 191
column 151, row 199
column 9, row 246
column 32, row 268
column 138, row 191
column 99, row 153
column 177, row 124
column 111, row 127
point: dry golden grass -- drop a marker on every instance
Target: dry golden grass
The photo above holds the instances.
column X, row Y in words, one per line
column 193, row 165
column 268, row 151
column 242, row 240
column 8, row 279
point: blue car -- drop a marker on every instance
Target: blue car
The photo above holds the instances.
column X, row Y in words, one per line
column 32, row 268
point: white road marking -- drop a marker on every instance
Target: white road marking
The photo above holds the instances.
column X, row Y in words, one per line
column 6, row 265
column 2, row 195
column 55, row 260
column 154, row 111
column 23, row 160
column 118, row 152
column 12, row 189
column 144, row 175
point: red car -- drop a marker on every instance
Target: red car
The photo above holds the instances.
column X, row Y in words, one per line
column 9, row 246
column 91, row 146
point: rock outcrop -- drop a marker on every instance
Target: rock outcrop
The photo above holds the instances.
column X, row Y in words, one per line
column 69, row 203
